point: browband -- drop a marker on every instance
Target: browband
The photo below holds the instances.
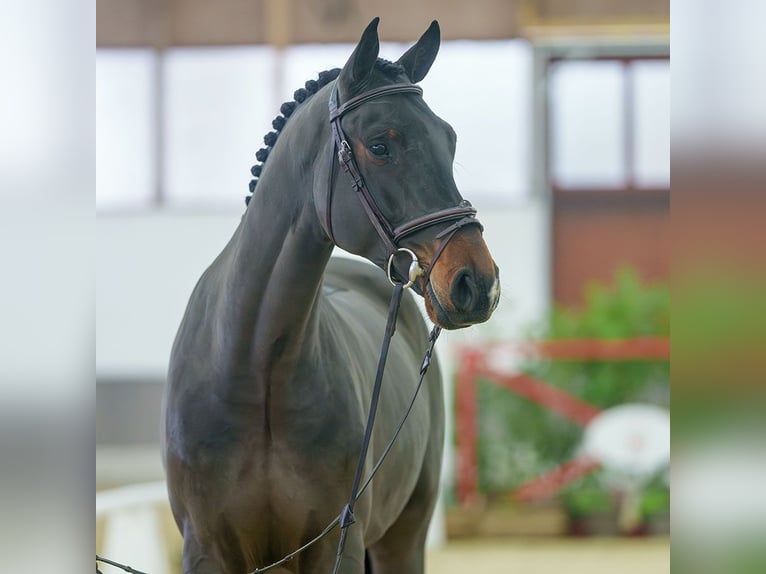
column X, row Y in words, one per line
column 337, row 111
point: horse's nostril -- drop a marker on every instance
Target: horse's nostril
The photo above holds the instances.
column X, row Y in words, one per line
column 464, row 291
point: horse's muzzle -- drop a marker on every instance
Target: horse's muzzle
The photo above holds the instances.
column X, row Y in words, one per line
column 472, row 299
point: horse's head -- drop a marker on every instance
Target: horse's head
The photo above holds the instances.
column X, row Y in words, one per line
column 404, row 154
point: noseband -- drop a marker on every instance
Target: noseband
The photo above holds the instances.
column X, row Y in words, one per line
column 462, row 214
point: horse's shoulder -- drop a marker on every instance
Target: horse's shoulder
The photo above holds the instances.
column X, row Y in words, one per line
column 343, row 273
column 362, row 277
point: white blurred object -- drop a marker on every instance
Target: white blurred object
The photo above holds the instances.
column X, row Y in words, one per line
column 506, row 359
column 718, row 489
column 133, row 532
column 632, row 443
column 719, row 89
column 630, row 440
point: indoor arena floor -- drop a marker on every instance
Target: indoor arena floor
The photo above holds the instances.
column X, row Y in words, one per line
column 552, row 556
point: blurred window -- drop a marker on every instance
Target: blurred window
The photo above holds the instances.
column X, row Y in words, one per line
column 214, row 105
column 651, row 84
column 587, row 123
column 484, row 89
column 609, row 124
column 125, row 128
column 218, row 104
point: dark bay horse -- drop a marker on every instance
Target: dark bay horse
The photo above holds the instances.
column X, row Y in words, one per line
column 271, row 371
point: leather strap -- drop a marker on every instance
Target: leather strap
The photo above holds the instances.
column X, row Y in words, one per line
column 347, row 517
column 357, row 101
column 463, row 214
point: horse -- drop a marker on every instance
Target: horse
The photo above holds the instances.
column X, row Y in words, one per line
column 270, row 373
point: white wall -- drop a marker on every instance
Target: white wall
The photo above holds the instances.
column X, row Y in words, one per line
column 147, row 265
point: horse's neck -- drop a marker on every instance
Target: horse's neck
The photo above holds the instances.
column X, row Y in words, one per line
column 275, row 267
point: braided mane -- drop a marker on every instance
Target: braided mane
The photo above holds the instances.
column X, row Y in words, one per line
column 390, row 69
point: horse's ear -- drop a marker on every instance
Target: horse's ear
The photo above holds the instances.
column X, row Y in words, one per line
column 417, row 60
column 359, row 67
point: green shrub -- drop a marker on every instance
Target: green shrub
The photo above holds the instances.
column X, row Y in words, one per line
column 519, row 439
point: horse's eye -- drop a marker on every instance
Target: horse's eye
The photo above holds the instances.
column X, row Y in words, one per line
column 379, row 149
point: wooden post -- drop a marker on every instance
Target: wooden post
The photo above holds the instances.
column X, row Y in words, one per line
column 466, row 425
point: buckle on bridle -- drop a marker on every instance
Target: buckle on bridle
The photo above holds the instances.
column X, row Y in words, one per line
column 344, row 154
column 414, row 272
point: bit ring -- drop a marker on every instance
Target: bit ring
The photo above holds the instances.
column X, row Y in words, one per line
column 414, row 272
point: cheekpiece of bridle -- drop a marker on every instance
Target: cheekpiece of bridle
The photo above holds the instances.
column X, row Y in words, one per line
column 462, row 214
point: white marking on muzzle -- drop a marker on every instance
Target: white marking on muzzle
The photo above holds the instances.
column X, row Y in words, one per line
column 494, row 294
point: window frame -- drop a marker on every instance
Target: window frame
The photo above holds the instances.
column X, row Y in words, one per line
column 627, row 55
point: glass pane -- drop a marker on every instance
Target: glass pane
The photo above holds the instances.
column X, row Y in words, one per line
column 483, row 90
column 125, row 128
column 217, row 112
column 492, row 155
column 651, row 82
column 219, row 103
column 303, row 63
column 587, row 129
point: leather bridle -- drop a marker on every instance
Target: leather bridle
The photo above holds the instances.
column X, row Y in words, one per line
column 391, row 237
